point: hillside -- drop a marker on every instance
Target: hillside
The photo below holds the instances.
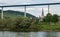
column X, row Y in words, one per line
column 16, row 13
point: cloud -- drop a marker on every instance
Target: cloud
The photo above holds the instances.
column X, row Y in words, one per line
column 56, row 0
column 14, row 2
column 2, row 2
column 55, row 9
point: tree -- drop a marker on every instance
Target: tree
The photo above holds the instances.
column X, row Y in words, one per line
column 48, row 18
column 21, row 24
column 55, row 18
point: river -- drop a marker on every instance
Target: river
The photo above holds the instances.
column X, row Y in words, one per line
column 29, row 34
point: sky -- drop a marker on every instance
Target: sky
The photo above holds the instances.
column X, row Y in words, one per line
column 35, row 10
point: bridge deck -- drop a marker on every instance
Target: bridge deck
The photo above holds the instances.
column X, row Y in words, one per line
column 31, row 5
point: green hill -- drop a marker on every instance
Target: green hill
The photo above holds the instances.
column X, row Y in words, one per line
column 11, row 13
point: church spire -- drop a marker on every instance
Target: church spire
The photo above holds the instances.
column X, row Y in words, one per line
column 42, row 12
column 42, row 15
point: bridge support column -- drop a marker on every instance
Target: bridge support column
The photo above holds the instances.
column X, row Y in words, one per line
column 48, row 9
column 24, row 11
column 2, row 13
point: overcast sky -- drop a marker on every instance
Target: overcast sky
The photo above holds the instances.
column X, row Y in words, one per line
column 36, row 10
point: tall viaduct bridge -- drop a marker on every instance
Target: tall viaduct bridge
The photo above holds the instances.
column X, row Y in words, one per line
column 2, row 7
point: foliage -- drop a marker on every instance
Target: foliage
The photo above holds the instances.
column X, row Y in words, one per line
column 55, row 18
column 48, row 18
column 21, row 24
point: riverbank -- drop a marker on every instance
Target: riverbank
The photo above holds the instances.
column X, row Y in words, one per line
column 21, row 24
column 40, row 28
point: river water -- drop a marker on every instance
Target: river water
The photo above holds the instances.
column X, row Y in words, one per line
column 29, row 34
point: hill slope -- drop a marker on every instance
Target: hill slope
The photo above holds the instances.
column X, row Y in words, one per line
column 16, row 13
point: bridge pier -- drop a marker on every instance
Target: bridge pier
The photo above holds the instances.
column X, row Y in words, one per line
column 48, row 9
column 2, row 13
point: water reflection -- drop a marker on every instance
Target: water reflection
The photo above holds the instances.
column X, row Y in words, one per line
column 51, row 34
column 29, row 34
column 22, row 34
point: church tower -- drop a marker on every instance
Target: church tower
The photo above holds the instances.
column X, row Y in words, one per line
column 42, row 15
column 42, row 12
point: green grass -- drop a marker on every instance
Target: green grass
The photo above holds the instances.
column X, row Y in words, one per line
column 49, row 27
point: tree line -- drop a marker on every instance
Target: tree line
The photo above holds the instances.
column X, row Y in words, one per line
column 51, row 18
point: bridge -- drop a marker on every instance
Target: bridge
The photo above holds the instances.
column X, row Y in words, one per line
column 26, row 6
